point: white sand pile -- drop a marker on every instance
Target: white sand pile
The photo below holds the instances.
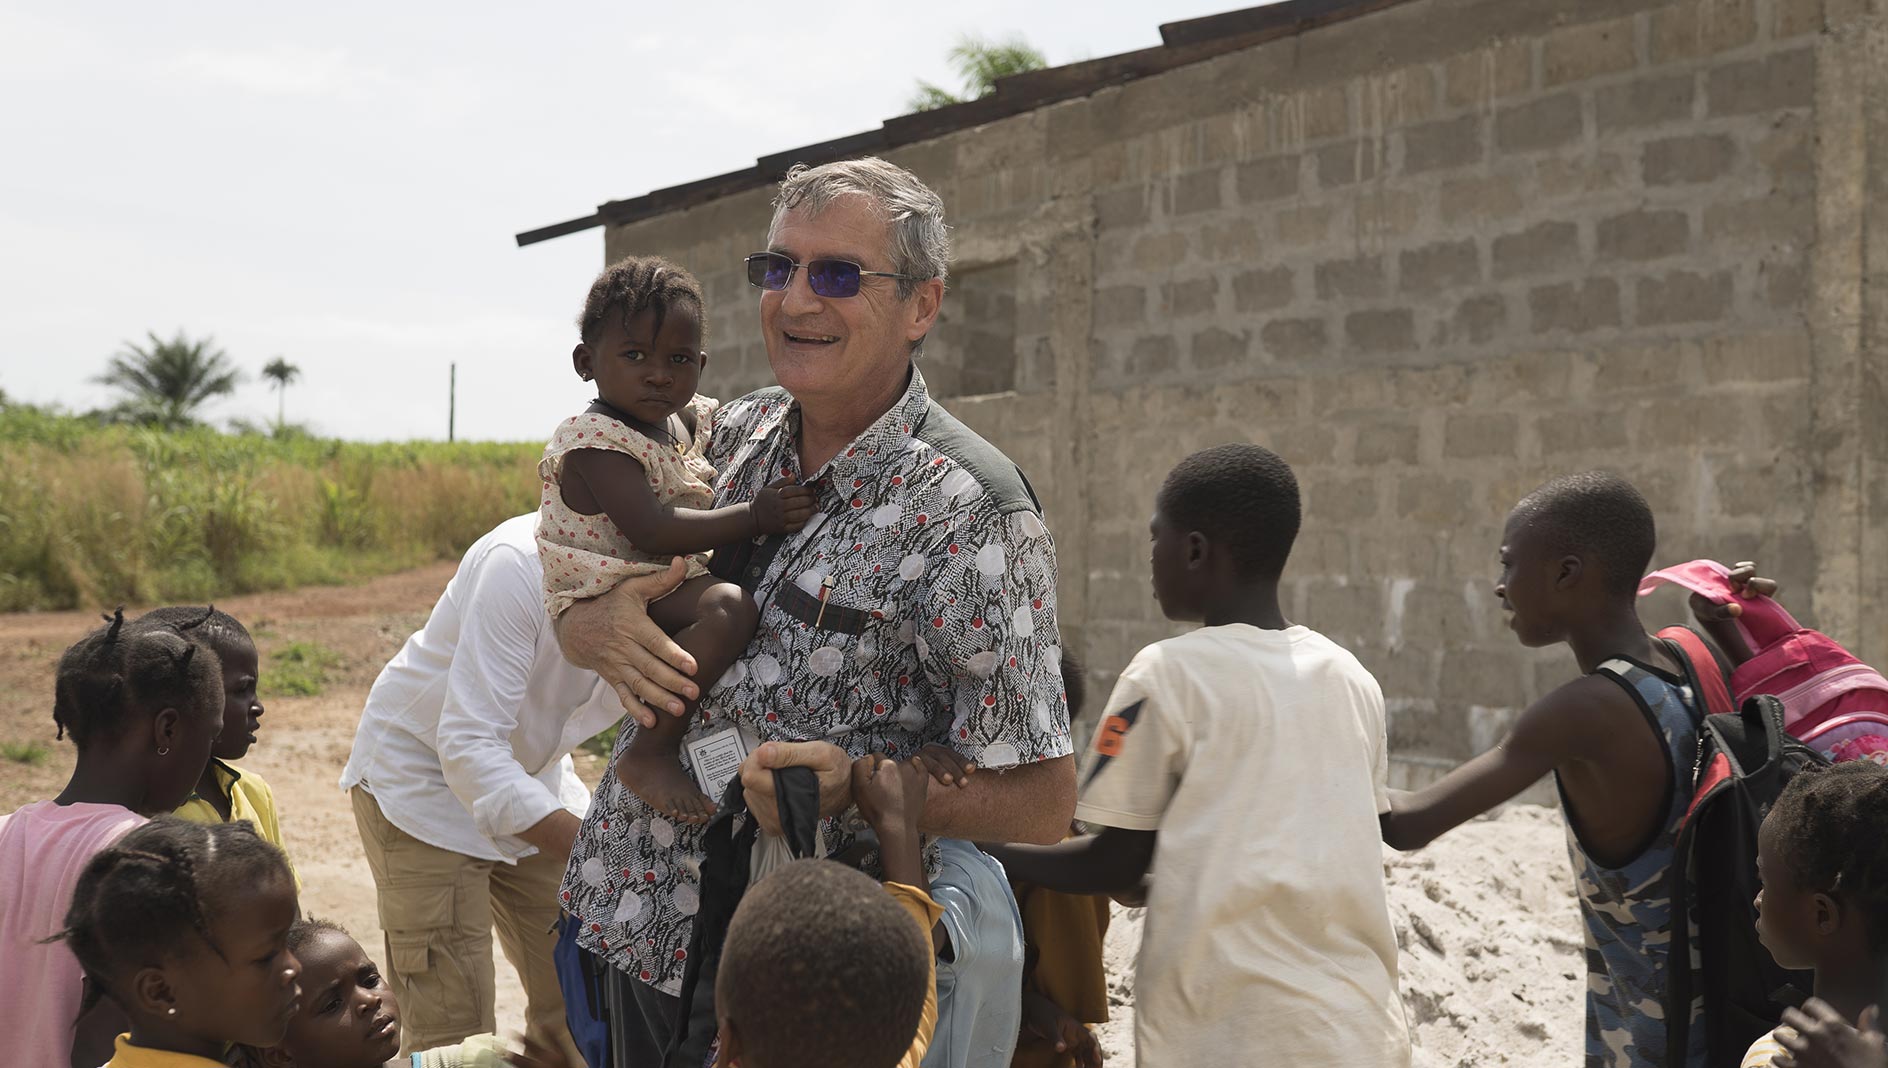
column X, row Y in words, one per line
column 1491, row 948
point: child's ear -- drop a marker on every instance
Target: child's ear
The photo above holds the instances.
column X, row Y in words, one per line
column 1571, row 568
column 727, row 1046
column 151, row 993
column 704, row 359
column 1198, row 550
column 583, row 362
column 276, row 1057
column 1828, row 915
column 165, row 727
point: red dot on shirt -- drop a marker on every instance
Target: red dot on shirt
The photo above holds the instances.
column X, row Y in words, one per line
column 989, row 701
column 596, row 928
column 626, row 874
column 1037, row 604
column 773, row 717
column 904, row 680
column 565, row 895
column 898, row 480
column 681, row 954
column 852, row 452
column 1012, row 661
column 876, row 614
column 878, row 710
column 645, row 975
column 977, row 623
column 857, row 503
column 963, row 732
column 953, row 548
column 857, row 482
column 937, row 462
column 922, row 517
column 938, row 622
column 648, row 877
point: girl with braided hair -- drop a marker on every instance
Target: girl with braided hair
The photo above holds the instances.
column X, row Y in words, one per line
column 1823, row 857
column 185, row 927
column 142, row 705
column 627, row 488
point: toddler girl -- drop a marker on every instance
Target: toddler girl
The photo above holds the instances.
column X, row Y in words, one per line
column 627, row 487
column 185, row 927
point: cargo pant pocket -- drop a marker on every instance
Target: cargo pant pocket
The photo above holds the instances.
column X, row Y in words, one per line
column 440, row 996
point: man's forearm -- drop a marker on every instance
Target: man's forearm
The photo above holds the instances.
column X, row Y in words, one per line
column 554, row 834
column 1030, row 803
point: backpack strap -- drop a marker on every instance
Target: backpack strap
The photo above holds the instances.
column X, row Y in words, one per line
column 1703, row 669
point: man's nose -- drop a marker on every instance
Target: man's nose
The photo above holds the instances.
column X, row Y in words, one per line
column 799, row 298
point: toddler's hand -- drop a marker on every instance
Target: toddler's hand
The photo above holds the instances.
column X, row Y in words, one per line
column 783, row 507
column 1045, row 1020
column 1823, row 1039
column 889, row 793
column 1745, row 582
column 537, row 1055
column 945, row 765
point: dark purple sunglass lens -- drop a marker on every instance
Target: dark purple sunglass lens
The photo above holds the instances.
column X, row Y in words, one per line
column 769, row 271
column 833, row 278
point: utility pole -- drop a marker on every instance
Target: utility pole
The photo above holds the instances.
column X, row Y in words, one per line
column 452, row 401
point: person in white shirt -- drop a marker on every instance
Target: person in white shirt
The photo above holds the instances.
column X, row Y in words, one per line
column 1244, row 764
column 466, row 799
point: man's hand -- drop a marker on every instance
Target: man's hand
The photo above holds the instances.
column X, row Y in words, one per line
column 1044, row 1019
column 554, row 834
column 783, row 507
column 829, row 762
column 1823, row 1039
column 613, row 636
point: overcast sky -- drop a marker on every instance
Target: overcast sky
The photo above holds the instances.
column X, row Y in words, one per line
column 339, row 183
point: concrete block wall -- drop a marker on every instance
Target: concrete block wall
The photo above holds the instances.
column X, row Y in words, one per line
column 1432, row 256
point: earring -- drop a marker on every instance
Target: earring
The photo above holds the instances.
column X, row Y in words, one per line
column 585, row 376
column 172, row 1011
column 164, row 750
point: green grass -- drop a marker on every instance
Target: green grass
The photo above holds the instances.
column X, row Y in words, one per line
column 24, row 752
column 94, row 515
column 298, row 669
column 602, row 744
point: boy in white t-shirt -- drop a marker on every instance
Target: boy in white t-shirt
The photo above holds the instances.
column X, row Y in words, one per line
column 1244, row 764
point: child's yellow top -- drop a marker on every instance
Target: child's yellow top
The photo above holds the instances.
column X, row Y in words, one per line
column 249, row 799
column 926, row 912
column 130, row 1056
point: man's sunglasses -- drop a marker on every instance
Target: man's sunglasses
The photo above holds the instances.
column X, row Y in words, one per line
column 828, row 278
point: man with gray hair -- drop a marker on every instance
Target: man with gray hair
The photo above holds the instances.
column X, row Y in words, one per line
column 916, row 608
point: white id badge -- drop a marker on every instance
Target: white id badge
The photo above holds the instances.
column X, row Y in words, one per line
column 717, row 759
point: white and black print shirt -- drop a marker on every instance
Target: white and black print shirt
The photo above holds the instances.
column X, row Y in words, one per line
column 939, row 626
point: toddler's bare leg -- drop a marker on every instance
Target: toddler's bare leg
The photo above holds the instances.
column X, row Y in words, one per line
column 714, row 621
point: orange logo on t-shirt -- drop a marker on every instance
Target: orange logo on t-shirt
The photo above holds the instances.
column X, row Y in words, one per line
column 1114, row 730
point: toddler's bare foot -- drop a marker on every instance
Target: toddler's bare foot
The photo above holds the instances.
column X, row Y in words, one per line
column 655, row 775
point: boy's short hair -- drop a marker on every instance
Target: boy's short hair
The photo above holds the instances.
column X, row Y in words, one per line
column 1828, row 824
column 822, row 969
column 1597, row 515
column 1244, row 498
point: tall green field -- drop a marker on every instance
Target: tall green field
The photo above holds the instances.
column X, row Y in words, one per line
column 94, row 515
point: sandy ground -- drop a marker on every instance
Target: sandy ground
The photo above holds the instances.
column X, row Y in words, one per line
column 1485, row 919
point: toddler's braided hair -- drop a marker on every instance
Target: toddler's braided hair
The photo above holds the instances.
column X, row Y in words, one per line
column 124, row 667
column 202, row 621
column 1830, row 827
column 143, row 900
column 634, row 284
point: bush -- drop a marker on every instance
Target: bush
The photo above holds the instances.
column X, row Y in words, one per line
column 96, row 515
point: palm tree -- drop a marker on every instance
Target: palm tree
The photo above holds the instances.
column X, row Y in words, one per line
column 979, row 63
column 167, row 382
column 281, row 372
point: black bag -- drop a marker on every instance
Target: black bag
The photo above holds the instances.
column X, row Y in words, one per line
column 724, row 877
column 1744, row 762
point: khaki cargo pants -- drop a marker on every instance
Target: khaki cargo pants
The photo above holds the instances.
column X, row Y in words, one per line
column 438, row 909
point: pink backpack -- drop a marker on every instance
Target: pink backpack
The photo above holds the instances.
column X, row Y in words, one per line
column 1831, row 701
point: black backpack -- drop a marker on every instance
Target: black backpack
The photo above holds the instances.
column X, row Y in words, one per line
column 1745, row 759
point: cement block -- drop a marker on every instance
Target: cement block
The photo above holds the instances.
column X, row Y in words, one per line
column 1214, row 349
column 1196, row 192
column 1158, row 354
column 1562, row 433
column 1688, row 160
column 1120, row 306
column 1575, row 307
column 1342, row 500
column 1294, row 339
column 1484, row 75
column 1261, row 180
column 1479, row 319
column 1160, row 251
column 1549, row 122
column 1640, row 236
column 1349, row 162
column 1358, row 278
column 1180, row 300
column 1689, row 30
column 1577, row 53
column 1381, row 331
column 1480, row 196
column 1777, row 81
column 1442, row 266
column 1580, row 175
column 1432, row 499
column 1795, row 18
column 1264, row 289
column 1650, row 101
column 1775, row 219
column 1544, row 248
column 1683, row 297
column 1236, row 240
column 1387, row 443
column 1752, row 357
column 1440, row 145
column 1309, row 224
column 1474, row 434
column 1787, row 153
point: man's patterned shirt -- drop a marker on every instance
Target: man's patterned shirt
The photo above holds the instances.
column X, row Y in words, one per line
column 939, row 626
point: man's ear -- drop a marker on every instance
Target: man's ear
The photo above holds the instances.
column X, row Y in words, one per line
column 924, row 304
column 583, row 362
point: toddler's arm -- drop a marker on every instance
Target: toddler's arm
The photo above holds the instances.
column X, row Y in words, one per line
column 1111, row 861
column 614, row 483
